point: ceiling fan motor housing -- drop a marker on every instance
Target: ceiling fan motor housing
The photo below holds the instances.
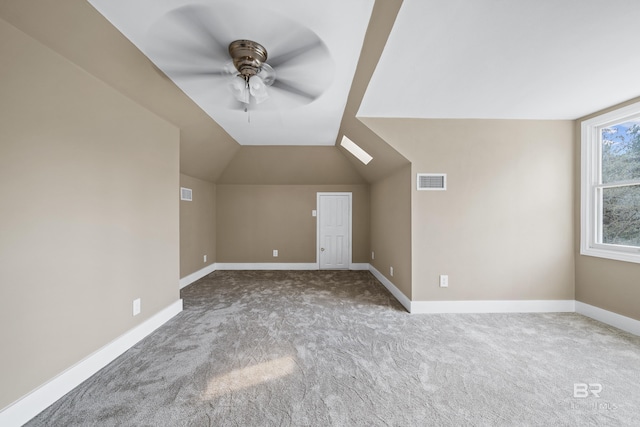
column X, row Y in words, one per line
column 248, row 57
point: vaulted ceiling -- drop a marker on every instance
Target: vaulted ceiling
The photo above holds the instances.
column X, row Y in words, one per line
column 486, row 59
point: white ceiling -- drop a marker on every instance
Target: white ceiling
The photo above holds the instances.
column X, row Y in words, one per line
column 513, row 59
column 279, row 26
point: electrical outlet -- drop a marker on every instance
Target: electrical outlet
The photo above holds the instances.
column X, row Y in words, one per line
column 205, row 259
column 373, row 255
column 391, row 271
column 444, row 281
column 136, row 306
column 314, row 213
column 275, row 252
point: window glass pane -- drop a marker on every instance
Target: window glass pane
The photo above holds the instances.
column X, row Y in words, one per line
column 621, row 215
column 621, row 152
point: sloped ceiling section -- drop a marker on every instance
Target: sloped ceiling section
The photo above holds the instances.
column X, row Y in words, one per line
column 517, row 59
column 189, row 42
column 75, row 30
column 386, row 159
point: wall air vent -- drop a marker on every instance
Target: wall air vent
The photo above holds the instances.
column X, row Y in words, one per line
column 432, row 181
column 186, row 194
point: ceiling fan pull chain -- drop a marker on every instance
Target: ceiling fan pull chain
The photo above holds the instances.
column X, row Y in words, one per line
column 246, row 106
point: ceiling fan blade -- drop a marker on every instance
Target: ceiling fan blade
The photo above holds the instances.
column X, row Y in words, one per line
column 170, row 52
column 206, row 26
column 295, row 89
column 187, row 38
column 314, row 47
column 182, row 72
column 171, row 49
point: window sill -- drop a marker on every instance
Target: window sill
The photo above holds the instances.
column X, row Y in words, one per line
column 633, row 255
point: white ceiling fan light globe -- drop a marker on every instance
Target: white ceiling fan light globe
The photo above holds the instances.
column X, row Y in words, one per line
column 267, row 74
column 229, row 68
column 258, row 89
column 239, row 89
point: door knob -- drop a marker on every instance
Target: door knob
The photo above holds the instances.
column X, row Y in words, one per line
column 322, row 249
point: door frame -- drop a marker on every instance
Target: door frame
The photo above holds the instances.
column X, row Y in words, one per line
column 318, row 214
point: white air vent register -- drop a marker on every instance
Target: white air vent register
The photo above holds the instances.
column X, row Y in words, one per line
column 432, row 181
column 186, row 194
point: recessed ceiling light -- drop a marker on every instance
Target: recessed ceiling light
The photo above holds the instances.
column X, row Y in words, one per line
column 355, row 149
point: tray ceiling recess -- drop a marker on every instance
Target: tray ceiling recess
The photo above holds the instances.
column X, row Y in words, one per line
column 269, row 74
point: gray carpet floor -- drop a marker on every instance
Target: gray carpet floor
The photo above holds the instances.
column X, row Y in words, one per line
column 333, row 348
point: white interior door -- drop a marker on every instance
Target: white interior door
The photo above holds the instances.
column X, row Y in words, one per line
column 334, row 230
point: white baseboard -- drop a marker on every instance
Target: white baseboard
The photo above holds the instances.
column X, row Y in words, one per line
column 279, row 266
column 520, row 306
column 610, row 318
column 187, row 280
column 397, row 293
column 39, row 399
column 266, row 266
column 501, row 306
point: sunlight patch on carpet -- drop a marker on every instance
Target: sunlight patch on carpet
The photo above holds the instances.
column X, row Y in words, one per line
column 250, row 376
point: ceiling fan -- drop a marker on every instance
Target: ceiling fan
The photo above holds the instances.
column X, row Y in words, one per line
column 197, row 41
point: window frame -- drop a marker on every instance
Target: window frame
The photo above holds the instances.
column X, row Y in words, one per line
column 592, row 187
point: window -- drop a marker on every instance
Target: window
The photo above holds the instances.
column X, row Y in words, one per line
column 355, row 149
column 610, row 202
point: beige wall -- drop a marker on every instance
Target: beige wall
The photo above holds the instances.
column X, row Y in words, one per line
column 391, row 228
column 608, row 284
column 504, row 227
column 252, row 220
column 197, row 226
column 287, row 165
column 89, row 208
